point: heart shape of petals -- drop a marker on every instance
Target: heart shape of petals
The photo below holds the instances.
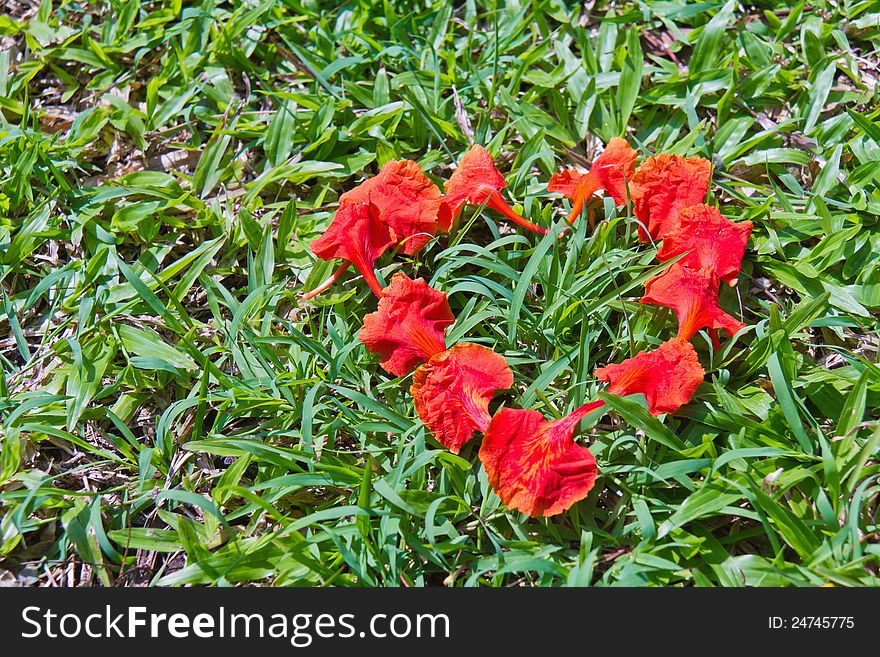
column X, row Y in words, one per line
column 356, row 234
column 477, row 181
column 408, row 201
column 693, row 295
column 534, row 465
column 662, row 186
column 610, row 172
column 409, row 325
column 452, row 391
column 710, row 240
column 667, row 376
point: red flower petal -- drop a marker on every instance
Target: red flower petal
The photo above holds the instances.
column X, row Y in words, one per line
column 565, row 182
column 713, row 242
column 610, row 171
column 615, row 167
column 358, row 235
column 589, row 184
column 535, row 466
column 444, row 217
column 662, row 186
column 408, row 201
column 409, row 325
column 667, row 376
column 474, row 180
column 452, row 391
column 693, row 295
column 477, row 180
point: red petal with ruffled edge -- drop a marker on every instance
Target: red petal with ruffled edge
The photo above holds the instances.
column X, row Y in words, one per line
column 610, row 171
column 667, row 376
column 409, row 325
column 473, row 181
column 477, row 180
column 356, row 234
column 615, row 167
column 408, row 201
column 693, row 295
column 588, row 185
column 452, row 391
column 710, row 240
column 535, row 466
column 565, row 182
column 662, row 186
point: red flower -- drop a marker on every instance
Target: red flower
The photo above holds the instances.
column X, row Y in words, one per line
column 662, row 186
column 452, row 391
column 710, row 240
column 693, row 295
column 408, row 201
column 535, row 466
column 610, row 172
column 356, row 234
column 565, row 182
column 667, row 376
column 405, row 202
column 477, row 181
column 409, row 325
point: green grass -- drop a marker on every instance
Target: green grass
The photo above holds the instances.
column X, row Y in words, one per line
column 170, row 413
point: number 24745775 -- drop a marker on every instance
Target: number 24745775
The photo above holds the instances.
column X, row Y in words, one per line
column 811, row 622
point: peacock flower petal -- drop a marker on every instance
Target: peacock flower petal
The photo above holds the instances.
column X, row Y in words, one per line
column 667, row 376
column 534, row 465
column 408, row 202
column 477, row 181
column 358, row 235
column 710, row 240
column 453, row 389
column 610, row 172
column 409, row 325
column 662, row 186
column 693, row 295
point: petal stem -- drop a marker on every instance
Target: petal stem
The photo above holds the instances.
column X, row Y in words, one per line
column 571, row 420
column 369, row 275
column 588, row 185
column 481, row 418
column 497, row 203
column 586, row 409
column 576, row 206
column 311, row 294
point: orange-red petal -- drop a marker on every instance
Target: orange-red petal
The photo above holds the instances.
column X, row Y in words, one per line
column 710, row 240
column 452, row 391
column 667, row 376
column 409, row 326
column 693, row 295
column 588, row 185
column 614, row 168
column 358, row 235
column 473, row 181
column 565, row 182
column 662, row 186
column 477, row 180
column 535, row 466
column 408, row 202
column 610, row 171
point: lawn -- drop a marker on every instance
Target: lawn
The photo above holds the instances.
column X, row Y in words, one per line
column 173, row 411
